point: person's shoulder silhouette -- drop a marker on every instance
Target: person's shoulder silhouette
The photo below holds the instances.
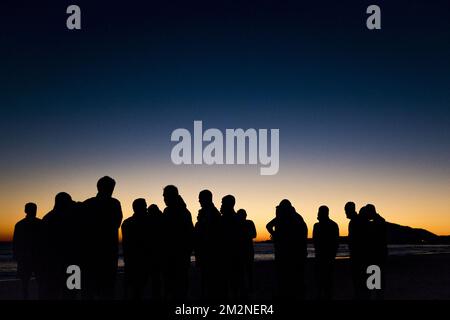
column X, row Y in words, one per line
column 103, row 206
column 176, row 209
column 138, row 220
column 103, row 211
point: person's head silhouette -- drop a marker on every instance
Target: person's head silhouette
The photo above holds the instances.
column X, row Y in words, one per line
column 171, row 196
column 350, row 210
column 63, row 201
column 154, row 210
column 284, row 209
column 371, row 212
column 140, row 206
column 205, row 198
column 31, row 209
column 105, row 186
column 228, row 203
column 242, row 214
column 323, row 214
column 285, row 204
column 363, row 212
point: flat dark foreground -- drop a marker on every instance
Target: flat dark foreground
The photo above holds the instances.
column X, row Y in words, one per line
column 420, row 277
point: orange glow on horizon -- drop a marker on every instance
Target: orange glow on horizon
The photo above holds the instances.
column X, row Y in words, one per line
column 401, row 196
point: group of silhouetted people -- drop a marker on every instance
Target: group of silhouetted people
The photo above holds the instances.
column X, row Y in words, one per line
column 366, row 241
column 84, row 234
column 157, row 247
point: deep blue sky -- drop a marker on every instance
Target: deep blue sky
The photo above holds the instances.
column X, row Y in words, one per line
column 138, row 70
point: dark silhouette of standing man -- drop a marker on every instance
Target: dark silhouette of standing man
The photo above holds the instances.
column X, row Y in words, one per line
column 355, row 246
column 136, row 243
column 179, row 231
column 376, row 246
column 103, row 216
column 231, row 244
column 326, row 241
column 207, row 246
column 60, row 246
column 249, row 233
column 156, row 250
column 289, row 234
column 26, row 247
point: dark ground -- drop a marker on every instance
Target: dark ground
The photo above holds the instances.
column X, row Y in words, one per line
column 420, row 277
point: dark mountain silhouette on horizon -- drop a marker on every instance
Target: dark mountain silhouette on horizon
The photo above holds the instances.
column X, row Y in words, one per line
column 398, row 234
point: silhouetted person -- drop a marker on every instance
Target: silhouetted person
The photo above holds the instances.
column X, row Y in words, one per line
column 179, row 230
column 26, row 247
column 375, row 246
column 60, row 246
column 156, row 250
column 289, row 233
column 136, row 244
column 356, row 248
column 326, row 241
column 103, row 216
column 207, row 246
column 249, row 233
column 232, row 247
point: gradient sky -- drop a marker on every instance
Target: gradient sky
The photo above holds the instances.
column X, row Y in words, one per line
column 363, row 115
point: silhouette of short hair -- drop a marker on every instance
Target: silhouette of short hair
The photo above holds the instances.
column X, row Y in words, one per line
column 170, row 190
column 371, row 211
column 205, row 195
column 242, row 213
column 139, row 205
column 229, row 200
column 153, row 209
column 171, row 195
column 105, row 185
column 31, row 209
column 323, row 213
column 363, row 211
column 350, row 206
column 285, row 203
column 62, row 200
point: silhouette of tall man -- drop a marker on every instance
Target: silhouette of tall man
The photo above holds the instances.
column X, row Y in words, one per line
column 207, row 246
column 156, row 250
column 60, row 246
column 136, row 243
column 356, row 247
column 289, row 233
column 103, row 216
column 325, row 238
column 375, row 246
column 248, row 252
column 232, row 241
column 179, row 231
column 26, row 247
